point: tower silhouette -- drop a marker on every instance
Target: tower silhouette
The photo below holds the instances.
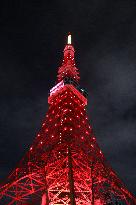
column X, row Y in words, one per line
column 65, row 165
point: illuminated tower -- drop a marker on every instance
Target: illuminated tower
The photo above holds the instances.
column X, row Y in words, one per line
column 65, row 165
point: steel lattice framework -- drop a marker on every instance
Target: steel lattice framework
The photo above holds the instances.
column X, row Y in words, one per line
column 65, row 165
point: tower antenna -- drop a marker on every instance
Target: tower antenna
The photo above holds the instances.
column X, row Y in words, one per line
column 69, row 38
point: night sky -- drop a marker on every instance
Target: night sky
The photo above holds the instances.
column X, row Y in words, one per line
column 32, row 38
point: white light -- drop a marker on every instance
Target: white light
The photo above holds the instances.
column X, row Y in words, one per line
column 69, row 39
column 56, row 87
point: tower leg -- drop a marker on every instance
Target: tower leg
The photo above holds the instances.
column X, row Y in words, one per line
column 45, row 196
column 71, row 178
column 92, row 188
column 44, row 200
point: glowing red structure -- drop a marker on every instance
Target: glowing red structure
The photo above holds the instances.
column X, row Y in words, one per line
column 65, row 165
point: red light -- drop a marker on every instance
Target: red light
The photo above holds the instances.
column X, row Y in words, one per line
column 72, row 172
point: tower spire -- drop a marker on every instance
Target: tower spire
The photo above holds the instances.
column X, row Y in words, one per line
column 68, row 68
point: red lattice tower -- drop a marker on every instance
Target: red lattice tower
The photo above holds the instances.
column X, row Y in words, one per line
column 65, row 165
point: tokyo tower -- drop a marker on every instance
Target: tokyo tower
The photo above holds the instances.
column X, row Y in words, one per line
column 65, row 165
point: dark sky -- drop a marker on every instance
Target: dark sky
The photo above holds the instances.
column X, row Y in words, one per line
column 32, row 38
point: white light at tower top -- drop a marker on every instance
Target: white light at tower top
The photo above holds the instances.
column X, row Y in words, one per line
column 69, row 38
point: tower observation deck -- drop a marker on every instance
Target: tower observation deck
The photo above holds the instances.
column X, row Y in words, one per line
column 64, row 164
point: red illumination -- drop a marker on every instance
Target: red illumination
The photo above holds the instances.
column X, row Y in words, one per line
column 64, row 165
